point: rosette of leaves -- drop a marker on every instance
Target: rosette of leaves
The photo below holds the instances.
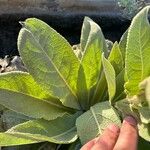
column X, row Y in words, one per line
column 69, row 99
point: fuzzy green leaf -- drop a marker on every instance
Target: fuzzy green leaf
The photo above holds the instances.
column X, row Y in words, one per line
column 120, row 94
column 123, row 106
column 93, row 122
column 7, row 139
column 82, row 89
column 145, row 86
column 11, row 118
column 61, row 130
column 88, row 34
column 50, row 60
column 110, row 77
column 144, row 131
column 116, row 59
column 137, row 64
column 91, row 59
column 20, row 93
column 122, row 45
column 144, row 114
column 92, row 45
column 100, row 91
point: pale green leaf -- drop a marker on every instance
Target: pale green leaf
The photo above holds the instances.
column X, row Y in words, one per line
column 122, row 45
column 92, row 45
column 88, row 34
column 50, row 60
column 82, row 89
column 100, row 91
column 91, row 59
column 7, row 139
column 144, row 131
column 24, row 83
column 120, row 94
column 61, row 130
column 86, row 28
column 123, row 106
column 137, row 64
column 144, row 114
column 145, row 86
column 20, row 93
column 11, row 118
column 110, row 77
column 92, row 123
column 116, row 59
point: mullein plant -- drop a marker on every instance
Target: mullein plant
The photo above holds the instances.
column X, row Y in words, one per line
column 68, row 98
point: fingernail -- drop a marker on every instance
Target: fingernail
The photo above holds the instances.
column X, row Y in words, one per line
column 130, row 120
column 114, row 128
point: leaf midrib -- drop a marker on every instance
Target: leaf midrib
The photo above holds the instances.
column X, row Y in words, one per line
column 141, row 52
column 97, row 123
column 31, row 135
column 54, row 67
column 38, row 99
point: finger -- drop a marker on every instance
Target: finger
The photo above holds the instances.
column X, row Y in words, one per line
column 88, row 145
column 108, row 138
column 128, row 137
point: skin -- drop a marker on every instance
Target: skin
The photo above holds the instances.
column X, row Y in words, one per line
column 115, row 138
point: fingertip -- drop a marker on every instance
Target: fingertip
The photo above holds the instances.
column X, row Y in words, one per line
column 130, row 120
column 127, row 131
column 109, row 137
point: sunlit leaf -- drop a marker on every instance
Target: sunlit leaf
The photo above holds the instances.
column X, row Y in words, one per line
column 50, row 60
column 92, row 123
column 137, row 64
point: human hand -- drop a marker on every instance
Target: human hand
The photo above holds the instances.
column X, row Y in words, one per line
column 114, row 138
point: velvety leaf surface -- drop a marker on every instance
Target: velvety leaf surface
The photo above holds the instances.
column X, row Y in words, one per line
column 93, row 44
column 100, row 90
column 86, row 28
column 120, row 93
column 24, row 82
column 93, row 122
column 144, row 131
column 11, row 118
column 145, row 86
column 144, row 114
column 20, row 93
column 50, row 60
column 116, row 59
column 137, row 64
column 7, row 139
column 61, row 130
column 82, row 92
column 110, row 77
column 123, row 106
column 89, row 35
column 122, row 45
